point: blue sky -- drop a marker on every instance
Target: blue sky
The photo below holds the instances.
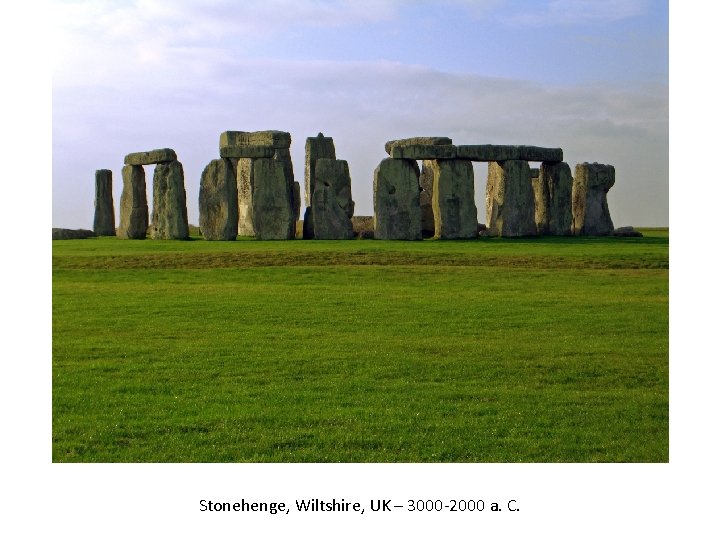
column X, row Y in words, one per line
column 588, row 76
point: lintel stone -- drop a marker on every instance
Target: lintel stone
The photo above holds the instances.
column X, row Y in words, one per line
column 412, row 141
column 249, row 151
column 162, row 155
column 274, row 138
column 504, row 152
column 423, row 151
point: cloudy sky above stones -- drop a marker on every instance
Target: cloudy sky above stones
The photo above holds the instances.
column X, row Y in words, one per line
column 590, row 76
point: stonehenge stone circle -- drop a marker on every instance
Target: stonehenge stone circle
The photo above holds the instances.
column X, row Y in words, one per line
column 427, row 218
column 218, row 201
column 591, row 215
column 553, row 199
column 510, row 199
column 133, row 204
column 453, row 198
column 104, row 220
column 332, row 207
column 169, row 217
column 396, row 199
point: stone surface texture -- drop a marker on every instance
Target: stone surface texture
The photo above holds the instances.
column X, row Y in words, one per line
column 332, row 206
column 71, row 234
column 271, row 137
column 396, row 199
column 238, row 152
column 218, row 201
column 453, row 199
column 420, row 151
column 104, row 220
column 162, row 155
column 427, row 218
column 553, row 199
column 315, row 148
column 509, row 199
column 412, row 141
column 169, row 216
column 501, row 152
column 591, row 215
column 271, row 209
column 133, row 204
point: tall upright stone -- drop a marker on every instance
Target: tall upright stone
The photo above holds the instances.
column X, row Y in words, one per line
column 218, row 201
column 265, row 208
column 104, row 222
column 453, row 199
column 315, row 148
column 133, row 204
column 333, row 207
column 510, row 199
column 169, row 217
column 282, row 155
column 591, row 215
column 396, row 199
column 427, row 218
column 553, row 199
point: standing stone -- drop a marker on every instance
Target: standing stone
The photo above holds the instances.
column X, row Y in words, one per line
column 245, row 183
column 218, row 201
column 591, row 215
column 104, row 222
column 315, row 148
column 133, row 204
column 427, row 218
column 453, row 199
column 396, row 199
column 272, row 211
column 509, row 199
column 169, row 217
column 553, row 199
column 282, row 156
column 332, row 207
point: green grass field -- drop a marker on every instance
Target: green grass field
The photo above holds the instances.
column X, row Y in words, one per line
column 491, row 350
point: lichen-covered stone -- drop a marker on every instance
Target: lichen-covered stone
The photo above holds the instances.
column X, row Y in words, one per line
column 315, row 148
column 104, row 220
column 282, row 156
column 427, row 218
column 238, row 152
column 264, row 205
column 502, row 152
column 162, row 155
column 71, row 234
column 509, row 199
column 413, row 141
column 332, row 205
column 133, row 204
column 218, row 201
column 418, row 151
column 453, row 199
column 271, row 137
column 553, row 199
column 591, row 215
column 169, row 217
column 396, row 199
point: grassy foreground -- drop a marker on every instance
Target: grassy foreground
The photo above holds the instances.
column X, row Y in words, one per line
column 543, row 350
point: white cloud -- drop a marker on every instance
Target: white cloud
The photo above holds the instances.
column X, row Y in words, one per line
column 566, row 12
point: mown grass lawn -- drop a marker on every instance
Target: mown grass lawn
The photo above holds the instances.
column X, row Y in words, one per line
column 541, row 350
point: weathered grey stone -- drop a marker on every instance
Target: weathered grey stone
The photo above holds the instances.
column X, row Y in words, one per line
column 509, row 199
column 104, row 221
column 427, row 218
column 271, row 137
column 238, row 152
column 218, row 201
column 413, row 141
column 332, row 205
column 71, row 234
column 501, row 152
column 162, row 155
column 296, row 199
column 453, row 199
column 133, row 204
column 553, row 199
column 627, row 232
column 282, row 156
column 264, row 206
column 315, row 148
column 418, row 151
column 169, row 217
column 396, row 199
column 591, row 215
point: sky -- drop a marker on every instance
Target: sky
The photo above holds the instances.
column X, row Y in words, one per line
column 589, row 76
